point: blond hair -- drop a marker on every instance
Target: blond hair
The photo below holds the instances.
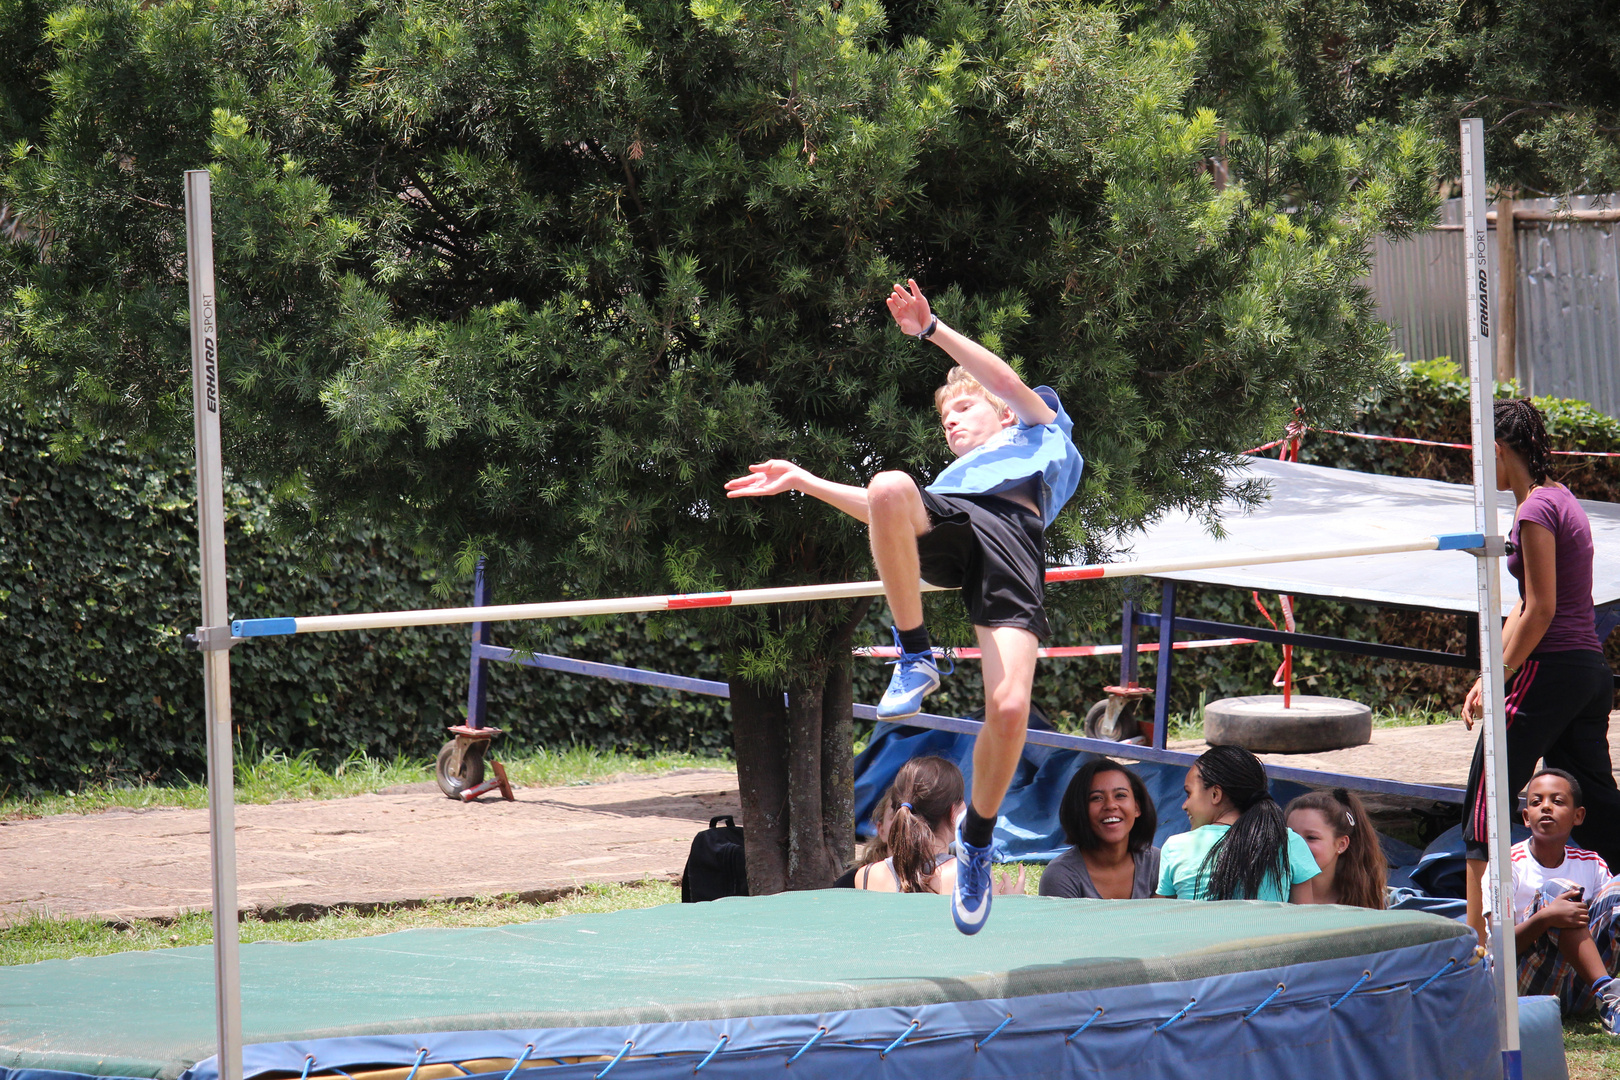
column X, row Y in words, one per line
column 959, row 382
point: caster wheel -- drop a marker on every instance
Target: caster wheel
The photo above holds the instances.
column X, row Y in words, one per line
column 1117, row 728
column 460, row 766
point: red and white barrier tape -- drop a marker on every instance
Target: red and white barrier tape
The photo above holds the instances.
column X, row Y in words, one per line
column 889, row 652
column 1418, row 442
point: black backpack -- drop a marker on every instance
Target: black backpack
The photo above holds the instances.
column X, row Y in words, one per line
column 715, row 868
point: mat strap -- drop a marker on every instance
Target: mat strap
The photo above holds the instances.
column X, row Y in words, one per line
column 820, row 1031
column 1089, row 1021
column 1365, row 975
column 723, row 1040
column 913, row 1026
column 1269, row 999
column 1185, row 1009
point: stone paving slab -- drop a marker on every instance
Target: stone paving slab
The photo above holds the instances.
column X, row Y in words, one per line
column 411, row 843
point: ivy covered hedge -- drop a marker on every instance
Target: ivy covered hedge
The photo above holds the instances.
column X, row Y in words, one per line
column 100, row 582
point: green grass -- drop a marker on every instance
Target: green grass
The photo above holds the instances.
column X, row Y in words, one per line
column 45, row 938
column 1592, row 1053
column 274, row 775
column 1419, row 716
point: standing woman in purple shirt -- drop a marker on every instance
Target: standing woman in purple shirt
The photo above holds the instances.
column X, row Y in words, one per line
column 1559, row 688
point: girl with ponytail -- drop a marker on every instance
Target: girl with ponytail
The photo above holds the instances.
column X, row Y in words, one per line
column 1341, row 838
column 919, row 814
column 1240, row 847
column 1559, row 688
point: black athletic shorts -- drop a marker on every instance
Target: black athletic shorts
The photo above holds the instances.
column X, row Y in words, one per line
column 994, row 550
column 1557, row 707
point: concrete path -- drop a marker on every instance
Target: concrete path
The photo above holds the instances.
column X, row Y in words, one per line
column 412, row 843
column 409, row 843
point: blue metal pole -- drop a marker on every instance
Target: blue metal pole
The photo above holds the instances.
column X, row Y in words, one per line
column 477, row 687
column 1127, row 640
column 1166, row 661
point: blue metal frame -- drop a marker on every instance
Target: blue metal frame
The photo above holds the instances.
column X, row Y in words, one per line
column 1170, row 625
column 477, row 690
column 1057, row 739
column 483, row 653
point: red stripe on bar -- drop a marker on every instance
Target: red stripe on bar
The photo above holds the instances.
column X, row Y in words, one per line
column 1075, row 573
column 701, row 599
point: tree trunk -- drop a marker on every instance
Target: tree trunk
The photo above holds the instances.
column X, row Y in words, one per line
column 759, row 738
column 809, row 863
column 795, row 771
column 838, row 760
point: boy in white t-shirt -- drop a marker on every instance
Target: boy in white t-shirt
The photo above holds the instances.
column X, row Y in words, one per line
column 1563, row 910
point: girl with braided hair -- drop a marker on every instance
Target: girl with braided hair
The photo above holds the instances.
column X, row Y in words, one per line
column 1559, row 687
column 1240, row 847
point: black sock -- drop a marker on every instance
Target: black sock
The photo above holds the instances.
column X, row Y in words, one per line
column 915, row 641
column 976, row 830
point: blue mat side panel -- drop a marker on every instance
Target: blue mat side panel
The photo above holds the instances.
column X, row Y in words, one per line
column 1368, row 1018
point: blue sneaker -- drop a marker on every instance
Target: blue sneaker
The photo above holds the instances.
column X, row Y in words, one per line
column 916, row 675
column 1608, row 1003
column 970, row 900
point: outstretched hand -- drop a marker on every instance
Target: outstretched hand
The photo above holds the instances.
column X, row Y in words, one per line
column 909, row 308
column 767, row 478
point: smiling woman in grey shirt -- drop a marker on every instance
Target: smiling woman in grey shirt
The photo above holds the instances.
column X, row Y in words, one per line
column 1108, row 815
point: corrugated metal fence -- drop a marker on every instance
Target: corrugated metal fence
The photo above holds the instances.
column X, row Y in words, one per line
column 1568, row 340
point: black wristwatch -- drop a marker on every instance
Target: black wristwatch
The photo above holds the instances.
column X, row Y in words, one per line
column 933, row 324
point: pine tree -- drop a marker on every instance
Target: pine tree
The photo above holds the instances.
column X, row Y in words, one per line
column 529, row 281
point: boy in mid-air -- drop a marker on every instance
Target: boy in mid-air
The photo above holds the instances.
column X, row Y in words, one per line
column 1564, row 904
column 978, row 527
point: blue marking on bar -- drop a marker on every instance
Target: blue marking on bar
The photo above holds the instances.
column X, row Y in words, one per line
column 1459, row 541
column 263, row 627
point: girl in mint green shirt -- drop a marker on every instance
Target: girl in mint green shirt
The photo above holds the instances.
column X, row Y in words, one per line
column 1240, row 846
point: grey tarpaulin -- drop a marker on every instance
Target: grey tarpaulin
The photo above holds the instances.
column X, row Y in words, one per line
column 1311, row 504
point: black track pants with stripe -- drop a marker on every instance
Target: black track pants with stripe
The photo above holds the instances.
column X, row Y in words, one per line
column 1557, row 711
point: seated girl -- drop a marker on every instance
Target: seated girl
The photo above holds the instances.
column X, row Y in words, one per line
column 1240, row 847
column 1108, row 816
column 918, row 816
column 1335, row 826
column 918, row 823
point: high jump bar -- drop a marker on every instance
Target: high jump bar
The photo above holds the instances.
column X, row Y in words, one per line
column 379, row 620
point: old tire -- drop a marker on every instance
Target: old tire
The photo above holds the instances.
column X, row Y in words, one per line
column 1311, row 724
column 453, row 781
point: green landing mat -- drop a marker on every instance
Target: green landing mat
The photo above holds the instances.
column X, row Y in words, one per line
column 150, row 1014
